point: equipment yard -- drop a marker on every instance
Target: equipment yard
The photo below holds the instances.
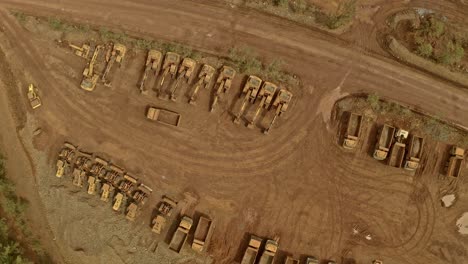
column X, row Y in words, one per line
column 173, row 153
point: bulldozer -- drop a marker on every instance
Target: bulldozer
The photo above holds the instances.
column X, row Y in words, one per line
column 250, row 90
column 159, row 222
column 204, row 79
column 132, row 211
column 186, row 69
column 165, row 210
column 106, row 191
column 126, row 186
column 99, row 167
column 83, row 161
column 281, row 102
column 152, row 63
column 115, row 55
column 68, row 152
column 82, row 51
column 114, row 175
column 33, row 97
column 170, row 66
column 92, row 182
column 119, row 197
column 89, row 77
column 142, row 193
column 267, row 91
column 223, row 83
column 79, row 176
column 60, row 168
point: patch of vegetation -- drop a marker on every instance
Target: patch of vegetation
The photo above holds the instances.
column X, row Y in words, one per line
column 107, row 35
column 20, row 16
column 344, row 15
column 374, row 101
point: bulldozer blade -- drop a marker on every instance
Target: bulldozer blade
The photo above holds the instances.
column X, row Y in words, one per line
column 266, row 131
column 250, row 125
column 236, row 120
column 192, row 101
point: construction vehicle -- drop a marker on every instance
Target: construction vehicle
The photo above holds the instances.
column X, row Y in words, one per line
column 455, row 162
column 414, row 155
column 33, row 97
column 115, row 55
column 250, row 254
column 60, row 168
column 290, row 260
column 223, row 84
column 83, row 161
column 79, row 176
column 377, row 262
column 353, row 131
column 181, row 234
column 68, row 152
column 204, row 79
column 281, row 104
column 142, row 193
column 250, row 90
column 201, row 234
column 153, row 61
column 106, row 191
column 118, row 201
column 92, row 181
column 114, row 175
column 89, row 77
column 163, row 116
column 132, row 211
column 126, row 186
column 159, row 222
column 312, row 260
column 167, row 206
column 384, row 142
column 185, row 72
column 170, row 66
column 99, row 167
column 397, row 152
column 268, row 256
column 82, row 51
column 267, row 91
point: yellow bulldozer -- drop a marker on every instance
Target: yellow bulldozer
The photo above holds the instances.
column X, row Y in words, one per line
column 116, row 54
column 89, row 77
column 170, row 66
column 204, row 79
column 142, row 193
column 250, row 90
column 127, row 185
column 33, row 97
column 82, row 51
column 132, row 212
column 118, row 199
column 267, row 91
column 153, row 62
column 106, row 191
column 281, row 104
column 186, row 69
column 223, row 84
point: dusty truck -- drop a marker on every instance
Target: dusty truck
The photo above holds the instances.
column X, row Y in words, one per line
column 291, row 260
column 397, row 153
column 353, row 131
column 250, row 254
column 384, row 142
column 268, row 256
column 455, row 162
column 163, row 116
column 180, row 235
column 201, row 234
column 414, row 154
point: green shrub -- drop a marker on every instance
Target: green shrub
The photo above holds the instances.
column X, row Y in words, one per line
column 374, row 101
column 425, row 50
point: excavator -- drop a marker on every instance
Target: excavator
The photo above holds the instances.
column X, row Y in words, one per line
column 223, row 83
column 185, row 72
column 204, row 79
column 82, row 51
column 251, row 87
column 281, row 103
column 89, row 77
column 152, row 63
column 170, row 66
column 115, row 55
column 266, row 94
column 33, row 97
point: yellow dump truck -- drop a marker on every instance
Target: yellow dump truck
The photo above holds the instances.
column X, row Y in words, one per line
column 268, row 256
column 455, row 162
column 291, row 260
column 414, row 154
column 384, row 142
column 180, row 235
column 201, row 234
column 312, row 260
column 163, row 116
column 251, row 253
column 353, row 131
column 397, row 152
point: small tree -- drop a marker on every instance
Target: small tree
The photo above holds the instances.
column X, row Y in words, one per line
column 425, row 50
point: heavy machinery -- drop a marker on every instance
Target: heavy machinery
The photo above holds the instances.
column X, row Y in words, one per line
column 267, row 91
column 82, row 51
column 268, row 256
column 89, row 77
column 61, row 164
column 290, row 260
column 99, row 167
column 165, row 210
column 118, row 201
column 79, row 176
column 33, row 97
column 186, row 69
column 106, row 191
column 414, row 154
column 250, row 254
column 68, row 152
column 250, row 90
column 159, row 222
column 92, row 181
column 181, row 234
column 281, row 103
column 163, row 116
column 312, row 260
column 223, row 84
column 201, row 234
column 204, row 79
column 83, row 161
column 353, row 131
column 152, row 64
column 384, row 142
column 397, row 152
column 377, row 262
column 115, row 55
column 142, row 193
column 132, row 211
column 455, row 162
column 127, row 185
column 170, row 66
column 114, row 175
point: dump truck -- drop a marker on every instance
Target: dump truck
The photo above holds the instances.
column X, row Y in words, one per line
column 397, row 153
column 414, row 154
column 118, row 201
column 353, row 131
column 60, row 168
column 159, row 222
column 250, row 254
column 384, row 142
column 267, row 91
column 33, row 97
column 180, row 235
column 128, row 183
column 312, row 260
column 291, row 260
column 132, row 211
column 455, row 162
column 163, row 116
column 186, row 69
column 170, row 66
column 281, row 103
column 201, row 234
column 204, row 80
column 223, row 84
column 115, row 55
column 92, row 181
column 250, row 90
column 153, row 61
column 82, row 51
column 142, row 193
column 268, row 256
column 89, row 77
column 106, row 191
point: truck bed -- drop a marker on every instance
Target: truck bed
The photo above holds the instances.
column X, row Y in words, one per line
column 266, row 258
column 386, row 136
column 354, row 125
column 455, row 166
column 202, row 230
column 168, row 117
column 250, row 256
column 177, row 240
column 416, row 147
column 396, row 155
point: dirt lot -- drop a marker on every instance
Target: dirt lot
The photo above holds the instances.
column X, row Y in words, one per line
column 296, row 182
